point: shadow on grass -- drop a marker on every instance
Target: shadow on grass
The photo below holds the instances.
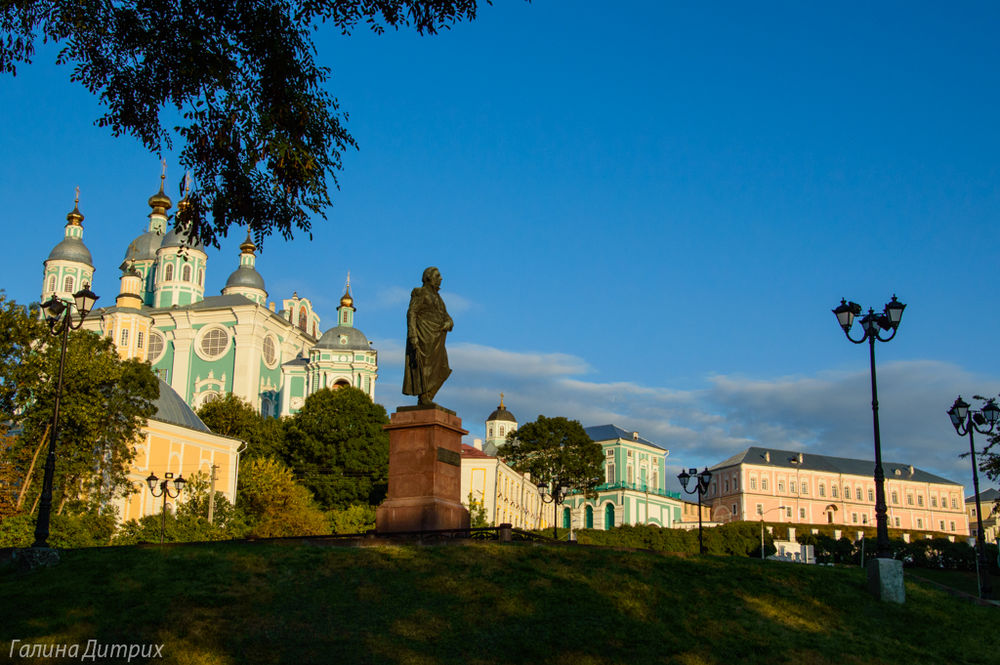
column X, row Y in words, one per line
column 484, row 603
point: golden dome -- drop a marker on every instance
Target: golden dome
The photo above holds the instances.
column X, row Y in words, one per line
column 75, row 217
column 160, row 202
column 346, row 300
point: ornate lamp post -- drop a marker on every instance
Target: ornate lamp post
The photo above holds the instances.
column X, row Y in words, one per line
column 967, row 421
column 59, row 316
column 701, row 486
column 165, row 492
column 556, row 497
column 872, row 325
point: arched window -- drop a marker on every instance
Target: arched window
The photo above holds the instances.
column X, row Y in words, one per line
column 168, row 272
column 609, row 516
column 68, row 284
column 201, row 277
column 52, row 283
column 186, row 274
column 588, row 517
column 303, row 320
column 566, row 518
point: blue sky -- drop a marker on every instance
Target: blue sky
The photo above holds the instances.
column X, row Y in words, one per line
column 643, row 212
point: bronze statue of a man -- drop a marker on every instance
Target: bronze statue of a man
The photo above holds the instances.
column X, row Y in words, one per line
column 427, row 323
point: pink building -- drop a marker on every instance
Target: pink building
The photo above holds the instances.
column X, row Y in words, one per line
column 804, row 488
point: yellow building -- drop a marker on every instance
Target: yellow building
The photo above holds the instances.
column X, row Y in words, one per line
column 176, row 441
column 990, row 502
column 509, row 497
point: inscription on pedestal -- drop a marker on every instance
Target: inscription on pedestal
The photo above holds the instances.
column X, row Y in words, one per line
column 449, row 457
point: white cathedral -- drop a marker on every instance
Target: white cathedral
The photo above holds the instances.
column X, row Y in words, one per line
column 204, row 347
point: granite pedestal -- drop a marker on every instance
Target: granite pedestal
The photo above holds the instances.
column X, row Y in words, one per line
column 885, row 580
column 425, row 472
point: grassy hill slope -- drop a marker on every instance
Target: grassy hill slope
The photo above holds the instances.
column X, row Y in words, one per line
column 292, row 602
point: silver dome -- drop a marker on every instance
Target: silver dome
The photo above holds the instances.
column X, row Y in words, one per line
column 144, row 247
column 175, row 238
column 72, row 249
column 246, row 277
column 355, row 339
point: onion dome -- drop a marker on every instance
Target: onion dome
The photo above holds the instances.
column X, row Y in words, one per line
column 71, row 247
column 160, row 202
column 347, row 300
column 502, row 413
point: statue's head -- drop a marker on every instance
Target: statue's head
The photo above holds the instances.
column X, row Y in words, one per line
column 432, row 276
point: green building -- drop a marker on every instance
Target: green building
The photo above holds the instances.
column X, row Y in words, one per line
column 204, row 347
column 633, row 489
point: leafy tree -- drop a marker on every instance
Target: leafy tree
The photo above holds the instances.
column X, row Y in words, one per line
column 273, row 504
column 555, row 449
column 233, row 416
column 477, row 513
column 105, row 402
column 259, row 128
column 338, row 448
column 20, row 362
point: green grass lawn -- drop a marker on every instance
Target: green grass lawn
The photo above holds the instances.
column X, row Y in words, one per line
column 963, row 580
column 291, row 602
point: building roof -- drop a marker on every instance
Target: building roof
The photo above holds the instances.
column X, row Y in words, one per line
column 988, row 495
column 501, row 413
column 473, row 452
column 609, row 432
column 788, row 459
column 246, row 277
column 170, row 408
column 71, row 249
column 355, row 339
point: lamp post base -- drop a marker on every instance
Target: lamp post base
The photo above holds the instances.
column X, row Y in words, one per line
column 31, row 558
column 885, row 580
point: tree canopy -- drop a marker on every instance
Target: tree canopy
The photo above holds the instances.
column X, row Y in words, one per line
column 338, row 449
column 260, row 131
column 555, row 449
column 231, row 415
column 105, row 402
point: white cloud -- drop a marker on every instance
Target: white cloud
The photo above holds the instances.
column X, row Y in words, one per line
column 828, row 413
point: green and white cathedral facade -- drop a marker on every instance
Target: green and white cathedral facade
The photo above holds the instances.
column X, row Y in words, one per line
column 204, row 347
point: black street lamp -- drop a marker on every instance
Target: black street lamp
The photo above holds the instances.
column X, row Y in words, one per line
column 872, row 324
column 701, row 486
column 165, row 492
column 556, row 497
column 59, row 316
column 966, row 421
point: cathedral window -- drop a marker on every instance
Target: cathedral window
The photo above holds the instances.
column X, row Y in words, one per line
column 168, row 272
column 52, row 283
column 270, row 351
column 68, row 284
column 201, row 277
column 214, row 343
column 156, row 345
column 138, row 339
column 186, row 274
column 124, row 341
column 303, row 320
